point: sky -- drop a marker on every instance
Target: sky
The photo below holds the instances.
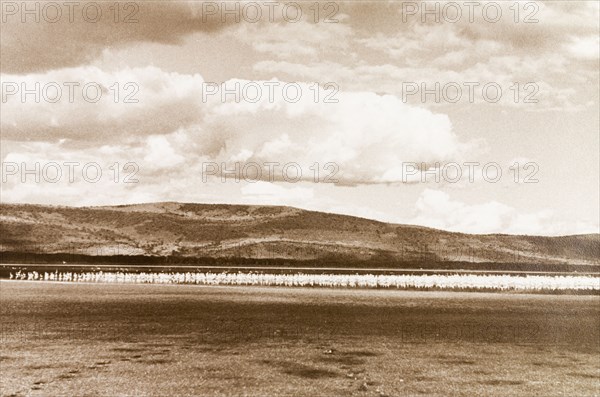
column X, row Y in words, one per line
column 477, row 117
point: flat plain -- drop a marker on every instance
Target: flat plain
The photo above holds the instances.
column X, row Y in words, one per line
column 111, row 340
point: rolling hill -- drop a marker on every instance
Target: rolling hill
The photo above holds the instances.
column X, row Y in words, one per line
column 226, row 233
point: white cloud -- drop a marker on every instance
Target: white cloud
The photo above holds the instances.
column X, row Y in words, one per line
column 585, row 47
column 173, row 124
column 438, row 210
column 365, row 134
column 160, row 152
column 131, row 102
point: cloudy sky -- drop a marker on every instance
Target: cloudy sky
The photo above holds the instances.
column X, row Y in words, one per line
column 338, row 108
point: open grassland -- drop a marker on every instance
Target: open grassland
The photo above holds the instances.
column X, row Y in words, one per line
column 131, row 339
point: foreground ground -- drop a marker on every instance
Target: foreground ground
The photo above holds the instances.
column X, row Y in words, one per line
column 109, row 340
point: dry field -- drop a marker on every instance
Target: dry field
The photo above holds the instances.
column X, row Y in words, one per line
column 122, row 339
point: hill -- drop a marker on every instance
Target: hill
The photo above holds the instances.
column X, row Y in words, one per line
column 190, row 232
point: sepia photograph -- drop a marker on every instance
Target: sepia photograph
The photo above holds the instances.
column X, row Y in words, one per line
column 368, row 198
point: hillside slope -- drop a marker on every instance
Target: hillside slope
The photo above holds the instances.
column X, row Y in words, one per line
column 241, row 231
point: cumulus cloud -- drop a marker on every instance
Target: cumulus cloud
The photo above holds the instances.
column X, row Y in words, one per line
column 437, row 209
column 362, row 134
column 94, row 105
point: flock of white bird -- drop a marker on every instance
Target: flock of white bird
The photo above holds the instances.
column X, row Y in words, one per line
column 433, row 281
